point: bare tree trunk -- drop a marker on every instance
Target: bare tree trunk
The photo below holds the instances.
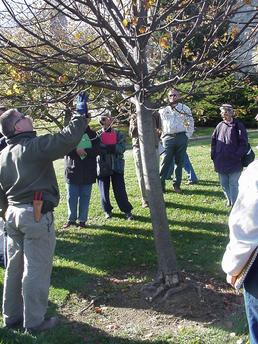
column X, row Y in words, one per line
column 168, row 275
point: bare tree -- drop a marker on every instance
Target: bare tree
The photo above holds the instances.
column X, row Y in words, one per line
column 137, row 49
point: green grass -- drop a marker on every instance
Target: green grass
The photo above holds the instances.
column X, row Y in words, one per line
column 198, row 225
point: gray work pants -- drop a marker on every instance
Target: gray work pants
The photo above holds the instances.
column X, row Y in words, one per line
column 30, row 249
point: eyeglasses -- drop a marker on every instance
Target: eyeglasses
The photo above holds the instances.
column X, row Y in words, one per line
column 22, row 116
column 172, row 95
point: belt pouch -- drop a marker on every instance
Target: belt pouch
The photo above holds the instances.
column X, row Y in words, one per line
column 37, row 206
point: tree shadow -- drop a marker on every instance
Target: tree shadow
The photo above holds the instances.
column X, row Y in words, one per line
column 70, row 332
column 208, row 182
column 197, row 208
column 206, row 301
column 217, row 194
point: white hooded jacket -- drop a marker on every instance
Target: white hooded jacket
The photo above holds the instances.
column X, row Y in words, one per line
column 243, row 223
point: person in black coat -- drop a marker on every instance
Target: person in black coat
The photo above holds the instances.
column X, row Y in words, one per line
column 80, row 174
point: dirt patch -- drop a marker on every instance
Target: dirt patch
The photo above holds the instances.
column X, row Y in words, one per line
column 118, row 307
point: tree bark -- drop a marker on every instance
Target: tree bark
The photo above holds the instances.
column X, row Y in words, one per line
column 167, row 266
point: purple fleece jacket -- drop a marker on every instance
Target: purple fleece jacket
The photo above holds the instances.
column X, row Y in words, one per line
column 229, row 143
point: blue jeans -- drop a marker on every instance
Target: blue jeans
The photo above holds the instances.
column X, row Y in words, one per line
column 175, row 149
column 78, row 194
column 229, row 183
column 188, row 167
column 251, row 301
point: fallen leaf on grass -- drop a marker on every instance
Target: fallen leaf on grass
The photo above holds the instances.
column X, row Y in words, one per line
column 98, row 310
column 112, row 327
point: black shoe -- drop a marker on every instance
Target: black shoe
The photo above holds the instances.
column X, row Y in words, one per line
column 108, row 215
column 69, row 224
column 82, row 224
column 46, row 324
column 14, row 324
column 145, row 204
column 177, row 189
column 129, row 216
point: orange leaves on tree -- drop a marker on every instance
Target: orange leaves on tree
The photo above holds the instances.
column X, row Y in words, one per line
column 17, row 75
column 134, row 21
column 149, row 3
column 142, row 29
column 164, row 42
column 234, row 31
column 62, row 79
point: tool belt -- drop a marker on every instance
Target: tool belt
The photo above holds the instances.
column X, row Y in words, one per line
column 47, row 206
column 41, row 206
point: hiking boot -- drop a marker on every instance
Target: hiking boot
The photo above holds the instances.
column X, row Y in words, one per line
column 69, row 224
column 129, row 216
column 82, row 224
column 108, row 215
column 14, row 324
column 177, row 189
column 46, row 324
column 145, row 204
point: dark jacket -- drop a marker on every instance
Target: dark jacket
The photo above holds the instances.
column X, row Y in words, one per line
column 114, row 153
column 2, row 142
column 78, row 171
column 229, row 143
column 26, row 164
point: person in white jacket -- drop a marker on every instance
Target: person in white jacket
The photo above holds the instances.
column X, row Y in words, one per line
column 243, row 226
column 177, row 126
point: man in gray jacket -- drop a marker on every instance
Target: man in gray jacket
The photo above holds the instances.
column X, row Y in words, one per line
column 27, row 174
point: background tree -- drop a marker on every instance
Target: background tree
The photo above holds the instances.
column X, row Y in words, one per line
column 136, row 49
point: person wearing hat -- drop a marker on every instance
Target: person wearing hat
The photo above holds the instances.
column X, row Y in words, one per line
column 80, row 175
column 110, row 168
column 229, row 143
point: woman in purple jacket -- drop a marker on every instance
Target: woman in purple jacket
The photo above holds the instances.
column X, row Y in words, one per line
column 229, row 144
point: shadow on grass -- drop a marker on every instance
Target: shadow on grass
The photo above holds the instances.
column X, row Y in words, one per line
column 210, row 304
column 69, row 332
column 204, row 210
column 193, row 191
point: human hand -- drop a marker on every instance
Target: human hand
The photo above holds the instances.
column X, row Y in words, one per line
column 231, row 279
column 81, row 152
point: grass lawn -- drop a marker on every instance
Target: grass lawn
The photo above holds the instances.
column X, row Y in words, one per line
column 108, row 249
